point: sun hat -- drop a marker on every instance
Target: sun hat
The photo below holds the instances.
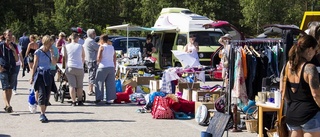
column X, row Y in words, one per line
column 227, row 36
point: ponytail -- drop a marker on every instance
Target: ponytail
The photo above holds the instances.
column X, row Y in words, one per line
column 295, row 55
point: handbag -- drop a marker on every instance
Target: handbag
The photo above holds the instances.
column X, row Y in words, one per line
column 280, row 125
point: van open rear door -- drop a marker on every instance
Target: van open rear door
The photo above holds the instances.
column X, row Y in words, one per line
column 226, row 28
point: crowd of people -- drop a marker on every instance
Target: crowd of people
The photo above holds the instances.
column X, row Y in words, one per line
column 40, row 59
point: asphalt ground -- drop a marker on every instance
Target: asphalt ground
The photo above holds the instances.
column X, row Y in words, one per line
column 91, row 120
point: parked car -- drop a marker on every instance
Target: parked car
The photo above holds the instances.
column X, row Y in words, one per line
column 97, row 38
column 134, row 45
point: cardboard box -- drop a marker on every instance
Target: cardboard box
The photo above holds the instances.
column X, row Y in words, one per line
column 187, row 94
column 199, row 95
column 129, row 82
column 143, row 80
column 182, row 86
column 155, row 85
column 209, row 105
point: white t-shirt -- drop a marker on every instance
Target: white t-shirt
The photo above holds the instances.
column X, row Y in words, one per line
column 107, row 56
column 74, row 55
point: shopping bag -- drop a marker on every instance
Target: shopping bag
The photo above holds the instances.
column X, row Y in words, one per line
column 161, row 109
column 118, row 85
column 32, row 101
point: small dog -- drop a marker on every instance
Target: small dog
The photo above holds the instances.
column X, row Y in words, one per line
column 124, row 96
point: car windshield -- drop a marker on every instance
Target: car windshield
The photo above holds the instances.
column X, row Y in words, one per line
column 131, row 44
column 207, row 38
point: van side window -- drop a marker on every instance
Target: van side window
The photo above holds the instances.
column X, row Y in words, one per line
column 182, row 39
column 157, row 41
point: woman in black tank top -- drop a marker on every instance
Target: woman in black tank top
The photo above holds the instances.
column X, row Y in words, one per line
column 32, row 47
column 302, row 90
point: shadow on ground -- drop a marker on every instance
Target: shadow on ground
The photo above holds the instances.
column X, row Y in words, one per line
column 48, row 112
column 89, row 120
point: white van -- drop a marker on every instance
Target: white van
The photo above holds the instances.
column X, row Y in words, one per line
column 185, row 23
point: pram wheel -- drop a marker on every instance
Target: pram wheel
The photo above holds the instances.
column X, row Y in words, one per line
column 62, row 95
column 56, row 96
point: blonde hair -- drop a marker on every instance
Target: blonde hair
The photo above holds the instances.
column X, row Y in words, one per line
column 46, row 40
column 62, row 34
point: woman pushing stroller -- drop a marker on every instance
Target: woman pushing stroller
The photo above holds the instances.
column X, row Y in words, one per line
column 74, row 55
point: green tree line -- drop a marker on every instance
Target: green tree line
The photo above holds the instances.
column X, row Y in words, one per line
column 52, row 16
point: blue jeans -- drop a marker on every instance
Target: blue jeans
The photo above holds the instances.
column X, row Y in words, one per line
column 313, row 125
column 15, row 83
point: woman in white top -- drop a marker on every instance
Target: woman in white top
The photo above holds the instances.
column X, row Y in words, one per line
column 105, row 74
column 74, row 55
column 193, row 48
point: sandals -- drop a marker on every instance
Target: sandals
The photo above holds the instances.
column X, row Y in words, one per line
column 91, row 93
column 8, row 109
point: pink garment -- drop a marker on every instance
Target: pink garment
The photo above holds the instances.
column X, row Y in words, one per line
column 60, row 43
column 239, row 88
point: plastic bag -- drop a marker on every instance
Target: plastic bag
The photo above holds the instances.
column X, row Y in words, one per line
column 32, row 101
column 118, row 85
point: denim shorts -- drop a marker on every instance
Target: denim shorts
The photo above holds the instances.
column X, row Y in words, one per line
column 313, row 125
column 7, row 80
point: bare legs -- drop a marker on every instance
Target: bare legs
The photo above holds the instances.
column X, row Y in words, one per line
column 7, row 96
column 76, row 92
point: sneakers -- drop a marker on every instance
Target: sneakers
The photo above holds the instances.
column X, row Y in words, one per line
column 80, row 103
column 97, row 101
column 109, row 102
column 43, row 118
column 73, row 104
column 8, row 109
column 14, row 92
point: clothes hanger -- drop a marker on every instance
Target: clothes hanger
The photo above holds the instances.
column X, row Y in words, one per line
column 254, row 51
column 245, row 47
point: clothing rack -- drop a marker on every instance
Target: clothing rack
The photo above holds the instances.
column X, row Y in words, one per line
column 234, row 44
column 287, row 40
column 251, row 42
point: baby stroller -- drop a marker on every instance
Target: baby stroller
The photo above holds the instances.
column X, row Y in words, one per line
column 63, row 91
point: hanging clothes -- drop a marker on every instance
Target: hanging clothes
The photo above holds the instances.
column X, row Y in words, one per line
column 168, row 76
column 244, row 63
column 252, row 67
column 225, row 61
column 239, row 89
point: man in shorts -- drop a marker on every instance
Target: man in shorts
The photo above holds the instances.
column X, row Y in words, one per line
column 91, row 51
column 8, row 59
